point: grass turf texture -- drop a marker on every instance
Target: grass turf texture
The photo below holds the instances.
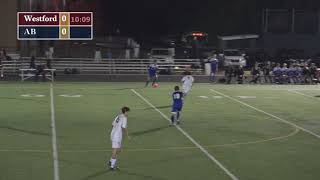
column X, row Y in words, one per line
column 250, row 144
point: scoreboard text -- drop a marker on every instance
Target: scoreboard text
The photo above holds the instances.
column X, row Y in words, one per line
column 54, row 26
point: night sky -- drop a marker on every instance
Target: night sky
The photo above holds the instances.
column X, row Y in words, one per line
column 217, row 17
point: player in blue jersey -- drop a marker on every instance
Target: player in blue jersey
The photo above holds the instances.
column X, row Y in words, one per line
column 152, row 73
column 177, row 97
column 214, row 67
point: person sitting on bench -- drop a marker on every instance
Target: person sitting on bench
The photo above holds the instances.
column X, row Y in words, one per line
column 40, row 71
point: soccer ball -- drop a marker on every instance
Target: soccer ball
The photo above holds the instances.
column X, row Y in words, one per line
column 155, row 85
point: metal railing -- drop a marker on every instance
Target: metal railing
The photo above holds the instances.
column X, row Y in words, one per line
column 109, row 66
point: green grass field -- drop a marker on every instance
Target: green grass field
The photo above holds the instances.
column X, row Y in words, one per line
column 262, row 132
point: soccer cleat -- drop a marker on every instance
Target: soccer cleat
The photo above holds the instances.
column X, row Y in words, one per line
column 114, row 168
column 155, row 85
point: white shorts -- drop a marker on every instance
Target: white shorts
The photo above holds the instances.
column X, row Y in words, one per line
column 116, row 145
column 186, row 89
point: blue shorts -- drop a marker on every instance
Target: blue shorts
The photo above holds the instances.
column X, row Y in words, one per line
column 176, row 108
column 152, row 77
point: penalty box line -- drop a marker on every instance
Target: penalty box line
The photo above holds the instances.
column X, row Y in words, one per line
column 269, row 114
column 211, row 157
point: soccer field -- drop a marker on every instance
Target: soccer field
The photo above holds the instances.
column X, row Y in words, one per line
column 61, row 131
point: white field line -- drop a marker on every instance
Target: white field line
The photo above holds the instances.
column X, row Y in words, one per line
column 54, row 137
column 271, row 115
column 211, row 157
column 303, row 89
column 303, row 94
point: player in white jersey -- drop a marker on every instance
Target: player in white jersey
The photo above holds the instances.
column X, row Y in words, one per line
column 119, row 126
column 187, row 81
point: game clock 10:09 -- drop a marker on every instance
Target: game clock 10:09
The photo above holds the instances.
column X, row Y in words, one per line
column 80, row 19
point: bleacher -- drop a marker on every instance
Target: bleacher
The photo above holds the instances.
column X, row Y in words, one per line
column 88, row 66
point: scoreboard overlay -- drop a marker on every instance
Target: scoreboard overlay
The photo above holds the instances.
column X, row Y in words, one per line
column 54, row 25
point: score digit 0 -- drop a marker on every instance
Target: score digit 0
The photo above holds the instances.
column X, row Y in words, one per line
column 64, row 32
column 64, row 19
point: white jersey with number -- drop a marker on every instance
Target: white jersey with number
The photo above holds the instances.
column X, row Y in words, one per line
column 119, row 122
column 187, row 83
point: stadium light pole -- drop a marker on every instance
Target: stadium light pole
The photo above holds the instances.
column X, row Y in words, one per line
column 64, row 4
column 30, row 5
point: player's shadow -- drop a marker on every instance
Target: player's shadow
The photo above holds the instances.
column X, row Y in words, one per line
column 97, row 174
column 87, row 165
column 139, row 133
column 141, row 176
column 25, row 131
column 121, row 171
column 158, row 107
column 317, row 96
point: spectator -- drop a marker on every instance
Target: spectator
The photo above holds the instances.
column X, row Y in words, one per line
column 97, row 55
column 4, row 54
column 109, row 54
column 2, row 58
column 306, row 75
column 228, row 74
column 291, row 74
column 240, row 74
column 49, row 66
column 313, row 73
column 297, row 73
column 277, row 73
column 318, row 76
column 284, row 74
column 40, row 71
column 32, row 63
column 267, row 69
column 255, row 75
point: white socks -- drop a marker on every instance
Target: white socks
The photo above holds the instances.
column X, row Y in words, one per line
column 113, row 162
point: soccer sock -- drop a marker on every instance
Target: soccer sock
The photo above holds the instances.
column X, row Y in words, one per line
column 153, row 82
column 113, row 162
column 172, row 119
column 178, row 116
column 110, row 162
column 212, row 77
